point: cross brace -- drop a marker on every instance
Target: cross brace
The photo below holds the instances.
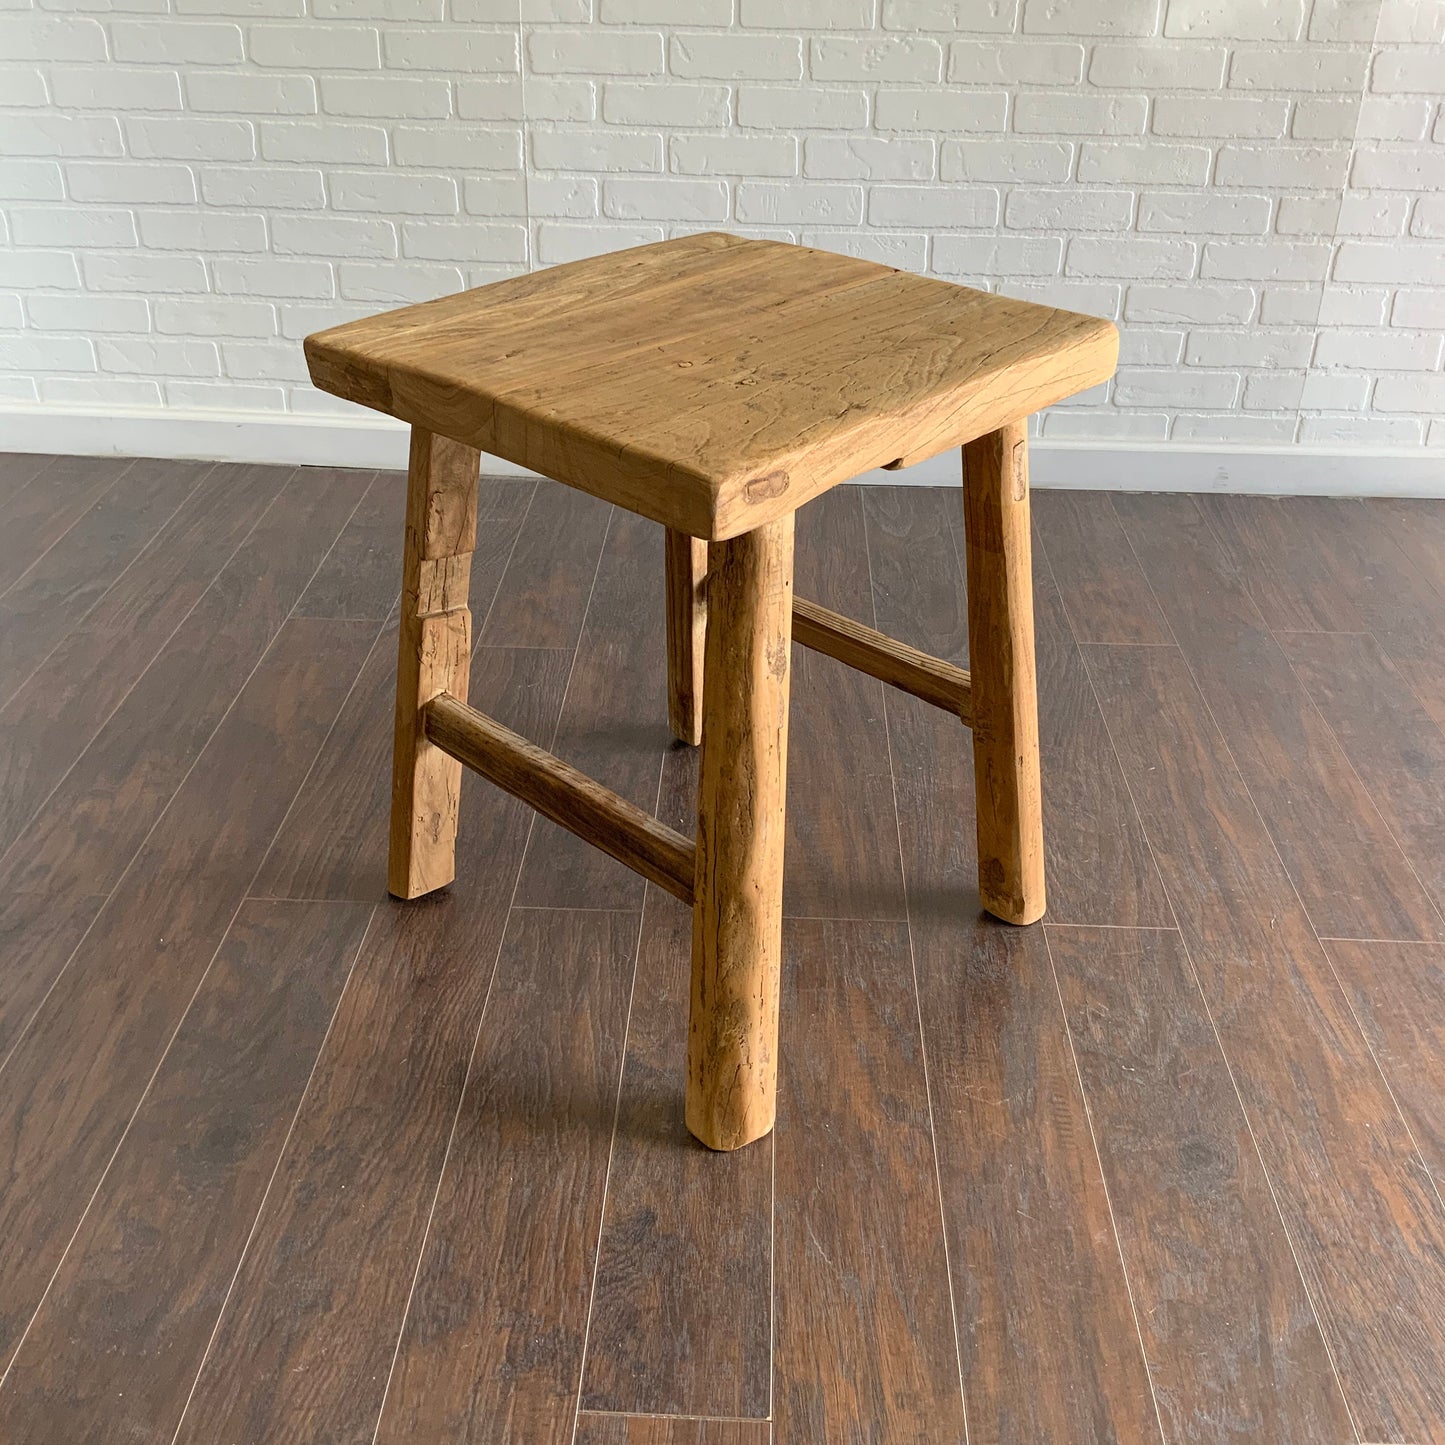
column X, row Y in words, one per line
column 607, row 820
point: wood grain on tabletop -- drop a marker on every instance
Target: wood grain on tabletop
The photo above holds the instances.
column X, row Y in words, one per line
column 710, row 382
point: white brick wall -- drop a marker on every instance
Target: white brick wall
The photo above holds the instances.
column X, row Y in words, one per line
column 1254, row 189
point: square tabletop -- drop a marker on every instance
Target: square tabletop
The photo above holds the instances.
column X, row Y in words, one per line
column 714, row 383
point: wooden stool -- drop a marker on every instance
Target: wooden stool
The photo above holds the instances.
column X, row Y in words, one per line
column 716, row 384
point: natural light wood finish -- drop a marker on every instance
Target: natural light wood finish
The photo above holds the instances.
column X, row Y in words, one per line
column 1001, row 650
column 714, row 383
column 433, row 656
column 686, row 578
column 883, row 657
column 732, row 1040
column 559, row 792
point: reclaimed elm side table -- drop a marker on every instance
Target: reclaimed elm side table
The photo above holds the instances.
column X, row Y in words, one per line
column 716, row 384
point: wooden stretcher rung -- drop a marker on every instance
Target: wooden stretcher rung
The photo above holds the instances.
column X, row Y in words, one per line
column 883, row 657
column 560, row 792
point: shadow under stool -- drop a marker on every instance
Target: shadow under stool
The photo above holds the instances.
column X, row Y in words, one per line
column 715, row 385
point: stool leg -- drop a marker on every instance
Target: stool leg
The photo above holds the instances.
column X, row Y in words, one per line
column 1001, row 660
column 686, row 570
column 434, row 656
column 732, row 1043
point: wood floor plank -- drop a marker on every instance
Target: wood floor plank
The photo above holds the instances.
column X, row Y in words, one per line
column 543, row 598
column 43, row 512
column 864, row 1334
column 55, row 715
column 1329, row 564
column 92, row 1045
column 492, row 1349
column 1392, row 743
column 918, row 583
column 37, row 935
column 333, row 844
column 1417, row 526
column 1272, row 545
column 1098, row 865
column 1366, row 1227
column 1049, row 1346
column 181, row 562
column 361, row 574
column 1048, row 1342
column 682, row 1311
column 614, row 722
column 1350, row 872
column 904, row 1265
column 93, row 822
column 131, row 719
column 1397, row 990
column 842, row 840
column 18, row 470
column 1407, row 604
column 1234, row 1348
column 67, row 581
column 117, row 1343
column 656, row 1430
column 304, row 1347
column 1109, row 599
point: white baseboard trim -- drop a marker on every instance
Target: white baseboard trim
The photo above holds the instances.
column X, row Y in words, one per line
column 366, row 440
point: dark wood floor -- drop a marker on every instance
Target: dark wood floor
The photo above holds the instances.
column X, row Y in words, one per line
column 282, row 1160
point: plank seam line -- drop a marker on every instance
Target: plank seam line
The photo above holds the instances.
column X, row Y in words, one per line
column 1273, row 634
column 210, row 963
column 280, row 1156
column 626, row 1028
column 1411, row 942
column 115, row 481
column 75, row 762
column 491, row 982
column 50, row 461
column 1198, row 983
column 1274, row 846
column 1349, row 762
column 505, row 568
column 1121, row 927
column 917, row 997
column 616, row 1115
column 115, row 582
column 1074, row 1055
column 658, row 1415
column 1104, row 1184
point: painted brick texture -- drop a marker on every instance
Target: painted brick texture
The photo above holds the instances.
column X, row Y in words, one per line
column 1255, row 192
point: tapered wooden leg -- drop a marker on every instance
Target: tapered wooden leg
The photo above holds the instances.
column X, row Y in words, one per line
column 1001, row 660
column 433, row 657
column 686, row 570
column 732, row 1045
